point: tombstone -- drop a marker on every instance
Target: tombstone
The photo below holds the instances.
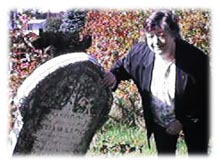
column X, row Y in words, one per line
column 60, row 107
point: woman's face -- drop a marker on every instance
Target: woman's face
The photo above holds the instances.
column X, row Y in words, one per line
column 160, row 42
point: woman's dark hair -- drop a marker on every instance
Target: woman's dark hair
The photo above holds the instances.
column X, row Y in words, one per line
column 165, row 20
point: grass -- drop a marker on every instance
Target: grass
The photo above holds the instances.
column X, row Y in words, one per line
column 116, row 139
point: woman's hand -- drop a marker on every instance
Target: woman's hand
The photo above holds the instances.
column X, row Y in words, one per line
column 174, row 128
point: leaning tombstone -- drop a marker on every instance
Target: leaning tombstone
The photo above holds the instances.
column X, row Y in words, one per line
column 60, row 106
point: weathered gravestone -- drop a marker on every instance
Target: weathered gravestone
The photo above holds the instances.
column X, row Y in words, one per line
column 60, row 107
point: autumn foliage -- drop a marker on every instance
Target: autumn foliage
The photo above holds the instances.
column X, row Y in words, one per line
column 113, row 33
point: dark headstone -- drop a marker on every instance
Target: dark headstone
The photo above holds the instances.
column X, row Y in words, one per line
column 60, row 107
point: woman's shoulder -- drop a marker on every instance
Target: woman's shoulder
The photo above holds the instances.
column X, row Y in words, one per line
column 187, row 47
column 140, row 46
column 140, row 49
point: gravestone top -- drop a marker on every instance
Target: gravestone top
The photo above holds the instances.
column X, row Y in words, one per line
column 60, row 107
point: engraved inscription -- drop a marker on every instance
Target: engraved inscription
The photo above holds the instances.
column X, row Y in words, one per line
column 61, row 132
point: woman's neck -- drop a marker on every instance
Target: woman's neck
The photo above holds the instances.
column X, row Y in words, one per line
column 169, row 55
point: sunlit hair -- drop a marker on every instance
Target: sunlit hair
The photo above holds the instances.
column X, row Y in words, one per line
column 164, row 20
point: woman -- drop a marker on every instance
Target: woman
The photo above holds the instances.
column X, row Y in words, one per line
column 172, row 79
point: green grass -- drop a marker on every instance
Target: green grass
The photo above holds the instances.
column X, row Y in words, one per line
column 117, row 139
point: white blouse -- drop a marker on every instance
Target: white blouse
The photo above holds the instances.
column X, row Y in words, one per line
column 163, row 91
